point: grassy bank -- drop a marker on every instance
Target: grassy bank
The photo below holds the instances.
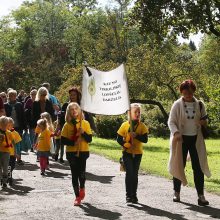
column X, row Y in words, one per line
column 156, row 155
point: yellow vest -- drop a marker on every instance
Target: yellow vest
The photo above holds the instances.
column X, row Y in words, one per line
column 68, row 132
column 141, row 129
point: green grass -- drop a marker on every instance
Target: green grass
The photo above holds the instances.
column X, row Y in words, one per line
column 156, row 155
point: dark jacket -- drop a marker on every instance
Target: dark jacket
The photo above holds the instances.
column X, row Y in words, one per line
column 19, row 109
column 37, row 111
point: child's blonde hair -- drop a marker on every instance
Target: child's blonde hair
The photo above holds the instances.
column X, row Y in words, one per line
column 134, row 106
column 68, row 117
column 10, row 120
column 46, row 115
column 42, row 123
column 3, row 120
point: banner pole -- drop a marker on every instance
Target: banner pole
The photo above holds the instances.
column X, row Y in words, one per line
column 80, row 127
column 130, row 120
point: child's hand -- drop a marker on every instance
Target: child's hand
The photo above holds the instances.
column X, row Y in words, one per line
column 81, row 131
column 127, row 145
column 133, row 134
column 77, row 143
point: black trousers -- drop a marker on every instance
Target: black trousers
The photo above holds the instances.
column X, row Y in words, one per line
column 59, row 147
column 189, row 145
column 78, row 169
column 11, row 164
column 132, row 164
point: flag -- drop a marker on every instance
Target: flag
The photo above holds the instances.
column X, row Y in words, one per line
column 105, row 93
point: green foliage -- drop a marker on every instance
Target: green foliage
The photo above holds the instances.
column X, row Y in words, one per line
column 179, row 17
column 107, row 126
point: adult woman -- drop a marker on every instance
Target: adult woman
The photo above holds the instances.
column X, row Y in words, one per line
column 28, row 107
column 185, row 120
column 15, row 110
column 42, row 104
column 3, row 96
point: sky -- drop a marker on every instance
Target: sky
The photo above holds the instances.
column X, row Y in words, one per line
column 7, row 5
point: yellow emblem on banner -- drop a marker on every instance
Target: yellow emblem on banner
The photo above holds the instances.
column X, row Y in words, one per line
column 91, row 87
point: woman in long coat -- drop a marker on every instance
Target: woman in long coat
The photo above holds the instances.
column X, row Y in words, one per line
column 186, row 118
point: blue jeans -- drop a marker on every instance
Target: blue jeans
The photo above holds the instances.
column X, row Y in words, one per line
column 132, row 164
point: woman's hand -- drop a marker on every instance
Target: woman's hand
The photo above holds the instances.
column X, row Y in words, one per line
column 81, row 131
column 203, row 122
column 178, row 136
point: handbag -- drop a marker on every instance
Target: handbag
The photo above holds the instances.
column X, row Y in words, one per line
column 122, row 165
column 26, row 142
column 204, row 129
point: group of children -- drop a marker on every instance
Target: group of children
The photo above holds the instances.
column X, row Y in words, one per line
column 76, row 135
column 10, row 147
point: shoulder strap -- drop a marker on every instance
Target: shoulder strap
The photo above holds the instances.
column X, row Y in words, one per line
column 200, row 106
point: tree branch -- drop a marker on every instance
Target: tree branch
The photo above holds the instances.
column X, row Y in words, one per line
column 153, row 102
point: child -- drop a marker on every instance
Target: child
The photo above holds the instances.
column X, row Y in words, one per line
column 47, row 116
column 59, row 146
column 76, row 134
column 43, row 145
column 16, row 144
column 5, row 145
column 131, row 140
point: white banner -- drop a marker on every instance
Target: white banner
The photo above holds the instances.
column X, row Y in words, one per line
column 105, row 93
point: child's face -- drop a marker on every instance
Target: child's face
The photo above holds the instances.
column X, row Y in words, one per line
column 41, row 127
column 10, row 126
column 4, row 126
column 135, row 114
column 74, row 111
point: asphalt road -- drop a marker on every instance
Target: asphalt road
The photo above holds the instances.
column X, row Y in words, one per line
column 51, row 197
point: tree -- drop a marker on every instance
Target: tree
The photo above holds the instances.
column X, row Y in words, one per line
column 179, row 17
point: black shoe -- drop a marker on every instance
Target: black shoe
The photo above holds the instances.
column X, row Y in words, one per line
column 135, row 200
column 128, row 199
column 42, row 173
column 4, row 185
column 61, row 160
column 20, row 163
column 176, row 197
column 202, row 201
column 56, row 157
column 32, row 150
column 10, row 181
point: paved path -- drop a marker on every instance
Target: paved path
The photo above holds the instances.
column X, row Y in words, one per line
column 51, row 197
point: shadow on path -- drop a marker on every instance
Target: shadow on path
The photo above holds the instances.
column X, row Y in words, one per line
column 157, row 212
column 27, row 166
column 17, row 189
column 99, row 213
column 101, row 179
column 55, row 174
column 57, row 165
column 207, row 210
